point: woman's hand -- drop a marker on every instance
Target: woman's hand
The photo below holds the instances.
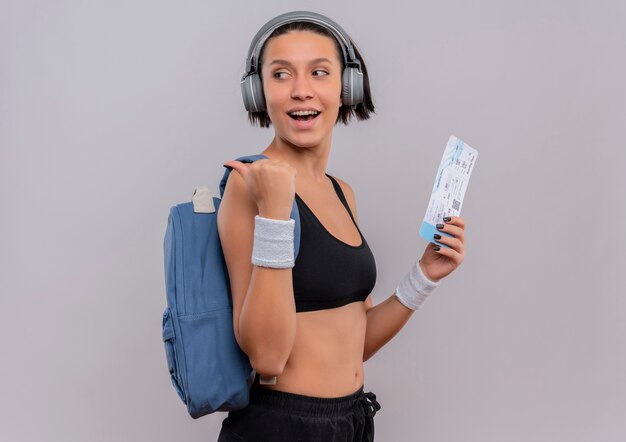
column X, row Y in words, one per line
column 437, row 264
column 272, row 184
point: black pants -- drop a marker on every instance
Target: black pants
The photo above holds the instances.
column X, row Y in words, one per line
column 276, row 416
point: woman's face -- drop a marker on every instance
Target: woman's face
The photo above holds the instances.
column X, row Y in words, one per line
column 302, row 84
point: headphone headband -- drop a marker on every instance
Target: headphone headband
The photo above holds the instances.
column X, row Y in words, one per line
column 266, row 31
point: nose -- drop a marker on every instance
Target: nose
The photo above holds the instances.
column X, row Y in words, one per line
column 302, row 88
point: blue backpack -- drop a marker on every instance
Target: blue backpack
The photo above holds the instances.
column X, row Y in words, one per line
column 208, row 369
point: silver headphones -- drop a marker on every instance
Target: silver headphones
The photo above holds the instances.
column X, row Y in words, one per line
column 352, row 77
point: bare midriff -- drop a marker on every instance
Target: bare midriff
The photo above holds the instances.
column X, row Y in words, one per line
column 327, row 356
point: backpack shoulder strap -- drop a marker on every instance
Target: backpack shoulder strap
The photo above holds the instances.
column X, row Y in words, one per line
column 295, row 215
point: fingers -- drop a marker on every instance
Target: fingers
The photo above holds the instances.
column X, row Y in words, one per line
column 454, row 243
column 263, row 168
column 454, row 255
column 455, row 227
column 455, row 221
column 240, row 167
column 270, row 182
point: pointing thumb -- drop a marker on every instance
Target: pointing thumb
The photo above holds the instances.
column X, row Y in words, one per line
column 240, row 167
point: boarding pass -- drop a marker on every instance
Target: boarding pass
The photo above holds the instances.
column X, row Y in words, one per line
column 450, row 185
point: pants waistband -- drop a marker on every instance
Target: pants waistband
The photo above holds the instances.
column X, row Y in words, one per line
column 293, row 403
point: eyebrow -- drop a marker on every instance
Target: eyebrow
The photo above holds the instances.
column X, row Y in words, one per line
column 287, row 63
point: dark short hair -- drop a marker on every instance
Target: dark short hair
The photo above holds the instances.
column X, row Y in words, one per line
column 361, row 111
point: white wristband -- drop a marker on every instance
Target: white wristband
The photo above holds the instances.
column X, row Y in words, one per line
column 415, row 288
column 273, row 243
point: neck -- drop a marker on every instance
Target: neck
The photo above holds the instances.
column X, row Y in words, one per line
column 310, row 162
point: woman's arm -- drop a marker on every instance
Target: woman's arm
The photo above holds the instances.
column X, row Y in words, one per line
column 264, row 315
column 385, row 320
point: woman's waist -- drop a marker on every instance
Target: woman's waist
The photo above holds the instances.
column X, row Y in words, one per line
column 326, row 359
column 319, row 380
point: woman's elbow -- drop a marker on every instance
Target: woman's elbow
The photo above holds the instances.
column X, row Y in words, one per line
column 268, row 354
column 366, row 357
column 269, row 366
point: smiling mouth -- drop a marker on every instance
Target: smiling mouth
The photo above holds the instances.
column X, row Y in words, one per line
column 307, row 115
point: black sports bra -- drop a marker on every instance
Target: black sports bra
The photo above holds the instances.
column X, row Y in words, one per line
column 328, row 272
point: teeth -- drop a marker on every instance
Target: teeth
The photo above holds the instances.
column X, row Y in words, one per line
column 303, row 113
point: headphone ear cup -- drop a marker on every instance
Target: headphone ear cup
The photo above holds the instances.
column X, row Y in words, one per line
column 252, row 93
column 352, row 84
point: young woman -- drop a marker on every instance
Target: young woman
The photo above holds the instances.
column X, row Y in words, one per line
column 309, row 324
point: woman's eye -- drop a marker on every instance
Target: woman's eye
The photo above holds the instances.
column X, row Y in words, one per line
column 280, row 74
column 320, row 72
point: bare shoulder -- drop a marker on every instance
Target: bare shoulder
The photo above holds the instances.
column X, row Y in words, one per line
column 235, row 224
column 350, row 197
column 236, row 200
column 235, row 218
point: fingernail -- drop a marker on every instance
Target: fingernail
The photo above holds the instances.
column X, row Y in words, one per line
column 437, row 248
column 228, row 167
column 439, row 226
column 447, row 219
column 437, row 236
